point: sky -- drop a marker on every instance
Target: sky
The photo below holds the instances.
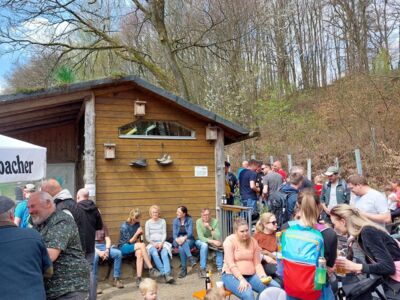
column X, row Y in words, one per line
column 7, row 61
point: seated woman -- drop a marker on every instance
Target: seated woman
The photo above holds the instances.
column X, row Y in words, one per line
column 159, row 249
column 182, row 232
column 265, row 236
column 381, row 250
column 129, row 243
column 242, row 271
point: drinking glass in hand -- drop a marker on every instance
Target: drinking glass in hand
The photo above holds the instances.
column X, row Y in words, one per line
column 340, row 269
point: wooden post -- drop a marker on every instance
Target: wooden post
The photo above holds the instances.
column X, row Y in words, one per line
column 219, row 167
column 337, row 162
column 89, row 177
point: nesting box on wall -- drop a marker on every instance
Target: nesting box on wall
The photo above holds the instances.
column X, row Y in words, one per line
column 109, row 151
column 140, row 108
column 211, row 133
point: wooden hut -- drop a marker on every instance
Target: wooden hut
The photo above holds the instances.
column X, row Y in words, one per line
column 107, row 135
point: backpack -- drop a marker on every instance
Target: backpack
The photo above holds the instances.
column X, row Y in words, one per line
column 301, row 248
column 278, row 202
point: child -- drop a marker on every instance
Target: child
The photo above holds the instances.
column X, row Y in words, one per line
column 391, row 197
column 148, row 288
column 318, row 183
column 215, row 293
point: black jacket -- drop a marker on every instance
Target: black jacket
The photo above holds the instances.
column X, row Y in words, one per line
column 89, row 221
column 64, row 202
column 381, row 251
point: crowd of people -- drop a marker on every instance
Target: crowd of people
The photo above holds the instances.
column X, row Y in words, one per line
column 292, row 253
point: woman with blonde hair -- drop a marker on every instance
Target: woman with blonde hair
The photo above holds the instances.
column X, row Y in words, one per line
column 158, row 248
column 129, row 243
column 242, row 271
column 381, row 250
column 266, row 228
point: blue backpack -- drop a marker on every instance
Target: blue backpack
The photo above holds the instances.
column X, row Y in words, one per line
column 301, row 248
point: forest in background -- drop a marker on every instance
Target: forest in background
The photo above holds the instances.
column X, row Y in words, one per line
column 318, row 78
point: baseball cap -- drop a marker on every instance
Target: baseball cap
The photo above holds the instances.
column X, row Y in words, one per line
column 227, row 164
column 30, row 188
column 332, row 170
column 5, row 204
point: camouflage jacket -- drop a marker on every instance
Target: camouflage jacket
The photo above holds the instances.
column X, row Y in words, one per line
column 71, row 270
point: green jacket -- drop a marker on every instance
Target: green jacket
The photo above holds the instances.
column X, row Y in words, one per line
column 204, row 234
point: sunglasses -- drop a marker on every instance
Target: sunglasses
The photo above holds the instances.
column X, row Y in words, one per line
column 273, row 223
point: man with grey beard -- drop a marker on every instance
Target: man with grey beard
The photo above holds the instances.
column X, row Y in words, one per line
column 60, row 234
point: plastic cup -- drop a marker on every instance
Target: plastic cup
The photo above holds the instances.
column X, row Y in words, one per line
column 340, row 271
column 219, row 284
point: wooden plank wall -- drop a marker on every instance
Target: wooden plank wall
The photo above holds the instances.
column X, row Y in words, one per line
column 59, row 150
column 120, row 187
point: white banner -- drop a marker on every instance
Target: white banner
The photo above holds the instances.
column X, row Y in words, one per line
column 21, row 161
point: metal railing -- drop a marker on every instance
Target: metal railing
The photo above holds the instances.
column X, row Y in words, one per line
column 227, row 215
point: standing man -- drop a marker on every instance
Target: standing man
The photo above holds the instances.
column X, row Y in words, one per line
column 245, row 165
column 248, row 188
column 62, row 197
column 271, row 181
column 307, row 183
column 24, row 259
column 60, row 234
column 369, row 201
column 21, row 216
column 233, row 183
column 334, row 191
column 292, row 189
column 209, row 236
column 90, row 221
column 277, row 167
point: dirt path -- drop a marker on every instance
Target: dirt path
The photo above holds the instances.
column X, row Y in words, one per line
column 183, row 289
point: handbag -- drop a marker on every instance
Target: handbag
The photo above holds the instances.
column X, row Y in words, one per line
column 396, row 275
column 359, row 288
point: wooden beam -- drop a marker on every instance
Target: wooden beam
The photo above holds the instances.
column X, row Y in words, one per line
column 56, row 120
column 33, row 128
column 219, row 167
column 29, row 119
column 81, row 111
column 42, row 103
column 112, row 90
column 37, row 113
column 89, row 177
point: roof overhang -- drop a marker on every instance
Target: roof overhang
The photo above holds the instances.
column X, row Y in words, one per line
column 47, row 107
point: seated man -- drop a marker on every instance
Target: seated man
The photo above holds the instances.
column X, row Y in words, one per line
column 209, row 236
column 104, row 251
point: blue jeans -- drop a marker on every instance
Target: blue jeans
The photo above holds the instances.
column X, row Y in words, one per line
column 203, row 247
column 184, row 251
column 232, row 283
column 115, row 254
column 162, row 263
column 127, row 249
column 252, row 203
column 327, row 294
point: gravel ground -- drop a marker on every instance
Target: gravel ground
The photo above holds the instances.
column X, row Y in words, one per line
column 182, row 289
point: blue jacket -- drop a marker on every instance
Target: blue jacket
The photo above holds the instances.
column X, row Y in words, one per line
column 188, row 226
column 342, row 192
column 292, row 193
